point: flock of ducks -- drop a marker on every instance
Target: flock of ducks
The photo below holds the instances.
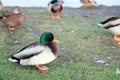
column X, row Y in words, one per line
column 36, row 53
column 16, row 17
column 45, row 51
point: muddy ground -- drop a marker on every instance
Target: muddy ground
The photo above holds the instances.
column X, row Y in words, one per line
column 96, row 11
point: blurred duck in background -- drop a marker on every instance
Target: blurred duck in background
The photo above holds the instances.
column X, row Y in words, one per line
column 12, row 18
column 88, row 3
column 1, row 5
column 55, row 7
column 112, row 25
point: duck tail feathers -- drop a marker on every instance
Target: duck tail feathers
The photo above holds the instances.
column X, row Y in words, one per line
column 100, row 25
column 14, row 59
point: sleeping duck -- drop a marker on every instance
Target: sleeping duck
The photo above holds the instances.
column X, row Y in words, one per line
column 55, row 7
column 88, row 3
column 1, row 5
column 112, row 25
column 38, row 53
column 12, row 18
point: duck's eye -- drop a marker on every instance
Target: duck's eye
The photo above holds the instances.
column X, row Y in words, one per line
column 49, row 38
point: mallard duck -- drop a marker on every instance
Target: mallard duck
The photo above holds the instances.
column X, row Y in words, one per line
column 55, row 7
column 1, row 5
column 88, row 3
column 38, row 53
column 112, row 25
column 12, row 18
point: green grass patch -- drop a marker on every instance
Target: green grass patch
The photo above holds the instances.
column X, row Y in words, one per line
column 81, row 41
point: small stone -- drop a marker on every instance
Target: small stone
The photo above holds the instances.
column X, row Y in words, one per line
column 17, row 42
column 117, row 71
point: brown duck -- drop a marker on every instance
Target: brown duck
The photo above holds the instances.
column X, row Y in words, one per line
column 12, row 18
column 88, row 3
column 1, row 5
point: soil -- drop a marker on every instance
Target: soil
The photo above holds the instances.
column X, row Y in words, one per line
column 96, row 11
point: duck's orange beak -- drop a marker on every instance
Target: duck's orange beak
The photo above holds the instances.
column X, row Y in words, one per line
column 55, row 41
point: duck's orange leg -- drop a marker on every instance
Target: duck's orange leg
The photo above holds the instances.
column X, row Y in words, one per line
column 11, row 28
column 116, row 38
column 40, row 67
column 54, row 17
column 58, row 16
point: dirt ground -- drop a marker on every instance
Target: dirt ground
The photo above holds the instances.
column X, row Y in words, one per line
column 96, row 11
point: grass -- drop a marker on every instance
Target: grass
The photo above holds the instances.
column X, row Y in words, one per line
column 81, row 42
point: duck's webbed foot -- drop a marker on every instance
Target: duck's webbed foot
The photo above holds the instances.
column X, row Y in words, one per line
column 55, row 16
column 40, row 67
column 116, row 38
